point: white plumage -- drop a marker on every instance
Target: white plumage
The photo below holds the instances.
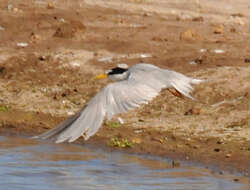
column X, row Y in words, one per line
column 135, row 86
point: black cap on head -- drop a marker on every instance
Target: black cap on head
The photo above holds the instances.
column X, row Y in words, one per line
column 117, row 70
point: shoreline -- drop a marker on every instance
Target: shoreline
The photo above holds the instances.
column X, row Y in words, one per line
column 174, row 148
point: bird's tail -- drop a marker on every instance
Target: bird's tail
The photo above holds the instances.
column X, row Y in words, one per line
column 182, row 83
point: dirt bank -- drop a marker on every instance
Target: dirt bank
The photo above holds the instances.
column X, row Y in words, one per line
column 50, row 52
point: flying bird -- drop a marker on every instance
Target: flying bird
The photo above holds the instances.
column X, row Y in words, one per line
column 132, row 87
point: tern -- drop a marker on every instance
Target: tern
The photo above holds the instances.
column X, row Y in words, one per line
column 131, row 87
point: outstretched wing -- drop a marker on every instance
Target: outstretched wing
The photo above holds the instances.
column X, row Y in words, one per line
column 143, row 84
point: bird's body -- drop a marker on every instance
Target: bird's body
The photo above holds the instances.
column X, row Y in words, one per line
column 134, row 86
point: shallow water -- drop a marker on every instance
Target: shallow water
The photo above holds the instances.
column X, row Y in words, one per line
column 27, row 164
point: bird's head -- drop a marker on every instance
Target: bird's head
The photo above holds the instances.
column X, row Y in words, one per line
column 116, row 74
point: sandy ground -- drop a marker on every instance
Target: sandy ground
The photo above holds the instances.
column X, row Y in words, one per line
column 50, row 52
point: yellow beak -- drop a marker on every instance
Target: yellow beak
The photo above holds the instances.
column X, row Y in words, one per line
column 101, row 76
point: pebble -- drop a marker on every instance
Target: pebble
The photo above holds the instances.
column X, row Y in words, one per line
column 194, row 111
column 228, row 156
column 237, row 15
column 218, row 51
column 175, row 164
column 192, row 63
column 239, row 21
column 220, row 29
column 217, row 150
column 198, row 19
column 236, row 180
column 22, row 44
column 247, row 60
column 34, row 38
column 10, row 7
column 189, row 35
column 61, row 20
column 2, row 28
column 137, row 140
column 203, row 50
column 233, row 30
column 70, row 113
column 50, row 6
column 138, row 131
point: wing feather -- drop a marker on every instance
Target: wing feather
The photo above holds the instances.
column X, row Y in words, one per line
column 143, row 84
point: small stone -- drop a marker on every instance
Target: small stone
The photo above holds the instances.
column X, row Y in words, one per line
column 22, row 44
column 236, row 180
column 237, row 15
column 34, row 38
column 196, row 146
column 218, row 51
column 10, row 7
column 220, row 29
column 219, row 142
column 189, row 35
column 50, row 6
column 194, row 111
column 247, row 60
column 42, row 58
column 176, row 164
column 233, row 30
column 239, row 21
column 198, row 19
column 138, row 131
column 216, row 150
column 228, row 156
column 137, row 140
column 15, row 10
column 2, row 69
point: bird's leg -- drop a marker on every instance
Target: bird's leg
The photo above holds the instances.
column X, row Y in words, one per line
column 175, row 92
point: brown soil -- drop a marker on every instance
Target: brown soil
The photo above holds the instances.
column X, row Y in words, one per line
column 69, row 42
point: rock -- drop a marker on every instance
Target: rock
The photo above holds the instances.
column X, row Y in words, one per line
column 34, row 38
column 2, row 69
column 10, row 7
column 247, row 60
column 219, row 29
column 196, row 146
column 237, row 15
column 216, row 150
column 228, row 156
column 175, row 164
column 198, row 19
column 15, row 10
column 22, row 44
column 236, row 180
column 239, row 21
column 189, row 35
column 233, row 30
column 194, row 111
column 70, row 30
column 50, row 6
column 137, row 140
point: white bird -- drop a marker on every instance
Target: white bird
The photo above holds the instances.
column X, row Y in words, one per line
column 132, row 87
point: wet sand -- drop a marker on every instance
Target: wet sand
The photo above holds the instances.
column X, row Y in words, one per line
column 50, row 52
